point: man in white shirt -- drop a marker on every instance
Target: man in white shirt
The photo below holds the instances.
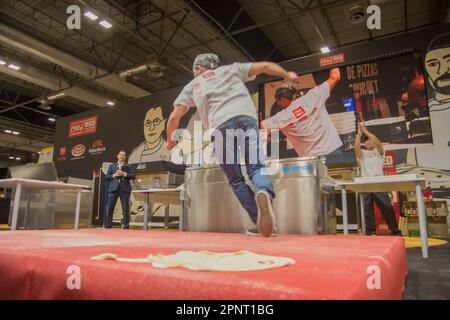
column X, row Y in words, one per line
column 305, row 121
column 224, row 104
column 371, row 163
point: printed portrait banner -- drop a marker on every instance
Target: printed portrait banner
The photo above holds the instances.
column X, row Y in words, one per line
column 85, row 141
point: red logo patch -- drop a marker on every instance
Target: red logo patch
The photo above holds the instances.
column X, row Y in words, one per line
column 78, row 150
column 298, row 112
column 209, row 74
column 62, row 151
column 83, row 126
column 97, row 144
column 327, row 61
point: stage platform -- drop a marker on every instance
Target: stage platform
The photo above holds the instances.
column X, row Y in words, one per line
column 34, row 265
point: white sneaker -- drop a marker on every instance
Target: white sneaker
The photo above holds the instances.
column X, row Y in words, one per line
column 255, row 233
column 266, row 217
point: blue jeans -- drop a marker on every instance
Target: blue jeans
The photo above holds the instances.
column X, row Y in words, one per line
column 254, row 158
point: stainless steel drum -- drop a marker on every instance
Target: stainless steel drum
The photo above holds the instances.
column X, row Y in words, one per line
column 304, row 202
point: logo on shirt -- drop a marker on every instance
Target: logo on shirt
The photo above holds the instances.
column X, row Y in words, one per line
column 298, row 112
column 209, row 75
column 196, row 85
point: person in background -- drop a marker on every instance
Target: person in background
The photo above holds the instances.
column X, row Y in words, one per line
column 371, row 163
column 224, row 104
column 305, row 121
column 119, row 175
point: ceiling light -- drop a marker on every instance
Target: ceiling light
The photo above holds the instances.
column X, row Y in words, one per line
column 45, row 104
column 105, row 24
column 18, row 158
column 11, row 158
column 325, row 49
column 8, row 131
column 90, row 15
column 56, row 96
column 16, row 133
column 110, row 103
column 2, row 62
column 51, row 119
column 14, row 67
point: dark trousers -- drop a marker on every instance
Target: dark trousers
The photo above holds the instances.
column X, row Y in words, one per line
column 384, row 204
column 125, row 202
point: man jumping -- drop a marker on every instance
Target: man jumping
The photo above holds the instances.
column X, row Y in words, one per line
column 224, row 104
column 305, row 121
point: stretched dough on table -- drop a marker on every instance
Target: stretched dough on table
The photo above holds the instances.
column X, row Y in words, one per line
column 208, row 261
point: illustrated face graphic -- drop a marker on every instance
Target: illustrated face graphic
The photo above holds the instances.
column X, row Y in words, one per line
column 154, row 125
column 437, row 64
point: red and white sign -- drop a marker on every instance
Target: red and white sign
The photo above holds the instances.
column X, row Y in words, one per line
column 328, row 61
column 78, row 150
column 390, row 168
column 62, row 151
column 298, row 112
column 83, row 127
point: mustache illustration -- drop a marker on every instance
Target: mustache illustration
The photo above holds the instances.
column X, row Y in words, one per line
column 444, row 77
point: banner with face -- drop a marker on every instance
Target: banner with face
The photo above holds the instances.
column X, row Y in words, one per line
column 437, row 66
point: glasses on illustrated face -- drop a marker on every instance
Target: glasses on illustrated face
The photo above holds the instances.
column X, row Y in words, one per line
column 155, row 122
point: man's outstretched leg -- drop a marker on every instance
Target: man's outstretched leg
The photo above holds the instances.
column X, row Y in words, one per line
column 254, row 161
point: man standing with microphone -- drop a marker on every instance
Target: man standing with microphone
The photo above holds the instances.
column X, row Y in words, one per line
column 119, row 176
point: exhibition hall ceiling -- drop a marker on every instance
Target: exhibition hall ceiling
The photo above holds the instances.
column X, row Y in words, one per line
column 125, row 49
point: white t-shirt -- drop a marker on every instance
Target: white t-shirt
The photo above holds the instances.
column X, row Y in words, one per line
column 371, row 163
column 307, row 124
column 142, row 154
column 219, row 94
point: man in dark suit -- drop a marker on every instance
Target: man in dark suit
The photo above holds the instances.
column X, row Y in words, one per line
column 119, row 176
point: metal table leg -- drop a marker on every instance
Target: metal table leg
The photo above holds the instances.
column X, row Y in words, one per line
column 422, row 221
column 27, row 209
column 363, row 214
column 344, row 210
column 77, row 210
column 146, row 211
column 181, row 219
column 15, row 213
column 166, row 216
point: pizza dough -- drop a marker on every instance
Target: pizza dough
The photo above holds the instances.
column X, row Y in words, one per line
column 208, row 261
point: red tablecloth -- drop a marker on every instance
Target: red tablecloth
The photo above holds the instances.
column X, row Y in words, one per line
column 34, row 265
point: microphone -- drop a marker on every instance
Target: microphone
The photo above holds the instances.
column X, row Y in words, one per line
column 120, row 168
